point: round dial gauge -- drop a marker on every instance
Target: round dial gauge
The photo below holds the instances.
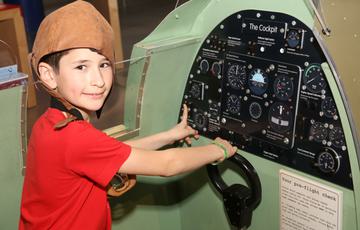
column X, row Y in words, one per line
column 204, row 66
column 236, row 76
column 255, row 110
column 318, row 131
column 293, row 38
column 328, row 107
column 195, row 90
column 258, row 81
column 233, row 104
column 314, row 79
column 337, row 138
column 200, row 120
column 216, row 69
column 283, row 87
column 328, row 161
column 280, row 117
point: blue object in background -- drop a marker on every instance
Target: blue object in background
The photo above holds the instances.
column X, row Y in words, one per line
column 7, row 73
column 33, row 12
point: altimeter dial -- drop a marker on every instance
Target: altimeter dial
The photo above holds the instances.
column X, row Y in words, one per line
column 236, row 76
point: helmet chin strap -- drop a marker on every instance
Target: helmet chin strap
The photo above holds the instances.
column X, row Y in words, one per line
column 73, row 113
column 55, row 103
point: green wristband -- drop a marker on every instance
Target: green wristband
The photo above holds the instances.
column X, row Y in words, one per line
column 226, row 154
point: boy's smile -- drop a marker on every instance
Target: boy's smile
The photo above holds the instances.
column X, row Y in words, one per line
column 84, row 79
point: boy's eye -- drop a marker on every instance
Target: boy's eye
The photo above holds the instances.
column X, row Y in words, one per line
column 105, row 64
column 80, row 67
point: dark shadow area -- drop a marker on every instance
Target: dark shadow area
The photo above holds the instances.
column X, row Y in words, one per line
column 168, row 193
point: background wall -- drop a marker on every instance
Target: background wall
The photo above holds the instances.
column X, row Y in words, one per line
column 344, row 45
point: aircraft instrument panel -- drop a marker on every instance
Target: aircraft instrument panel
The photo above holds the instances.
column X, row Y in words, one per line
column 257, row 81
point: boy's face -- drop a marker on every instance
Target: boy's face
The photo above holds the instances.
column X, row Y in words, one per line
column 84, row 79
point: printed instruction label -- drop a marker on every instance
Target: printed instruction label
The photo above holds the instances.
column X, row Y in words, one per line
column 308, row 205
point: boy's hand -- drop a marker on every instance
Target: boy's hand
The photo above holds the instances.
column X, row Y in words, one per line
column 182, row 131
column 229, row 148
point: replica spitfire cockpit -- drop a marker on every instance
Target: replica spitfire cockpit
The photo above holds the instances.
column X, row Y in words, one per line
column 258, row 74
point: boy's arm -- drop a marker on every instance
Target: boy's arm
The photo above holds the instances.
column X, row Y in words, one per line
column 174, row 161
column 152, row 142
column 180, row 132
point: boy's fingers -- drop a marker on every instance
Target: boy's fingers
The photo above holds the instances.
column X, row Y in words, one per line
column 235, row 149
column 191, row 131
column 185, row 113
column 196, row 134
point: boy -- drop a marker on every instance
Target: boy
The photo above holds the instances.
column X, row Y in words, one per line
column 69, row 162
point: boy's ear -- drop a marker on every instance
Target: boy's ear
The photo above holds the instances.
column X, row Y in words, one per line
column 47, row 75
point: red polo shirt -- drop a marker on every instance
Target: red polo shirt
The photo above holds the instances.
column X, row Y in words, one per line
column 67, row 171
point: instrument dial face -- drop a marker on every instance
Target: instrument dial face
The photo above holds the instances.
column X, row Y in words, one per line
column 337, row 138
column 280, row 117
column 216, row 69
column 328, row 161
column 293, row 38
column 255, row 110
column 283, row 87
column 314, row 79
column 236, row 76
column 318, row 131
column 195, row 90
column 328, row 107
column 200, row 120
column 204, row 66
column 258, row 81
column 233, row 104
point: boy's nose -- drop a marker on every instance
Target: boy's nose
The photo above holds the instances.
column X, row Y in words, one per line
column 97, row 78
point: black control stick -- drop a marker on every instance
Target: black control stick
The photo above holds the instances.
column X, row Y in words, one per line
column 239, row 200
